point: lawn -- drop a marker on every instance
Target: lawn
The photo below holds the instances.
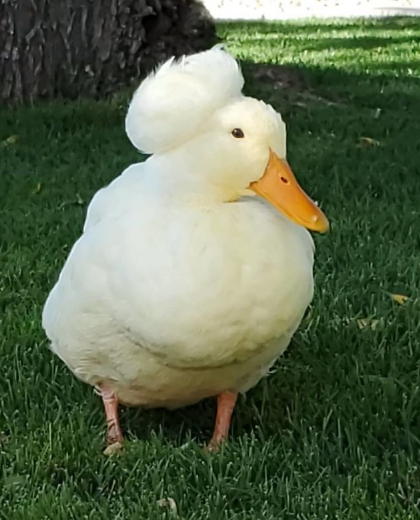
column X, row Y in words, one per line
column 334, row 433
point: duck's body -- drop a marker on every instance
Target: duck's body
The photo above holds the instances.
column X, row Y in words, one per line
column 169, row 307
column 184, row 284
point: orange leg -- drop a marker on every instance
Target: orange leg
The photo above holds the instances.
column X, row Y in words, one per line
column 225, row 405
column 110, row 401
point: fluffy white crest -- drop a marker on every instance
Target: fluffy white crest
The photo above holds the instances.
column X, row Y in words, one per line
column 171, row 103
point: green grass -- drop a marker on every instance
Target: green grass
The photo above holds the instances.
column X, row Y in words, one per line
column 335, row 432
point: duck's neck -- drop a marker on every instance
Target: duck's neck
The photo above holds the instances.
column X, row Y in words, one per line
column 179, row 177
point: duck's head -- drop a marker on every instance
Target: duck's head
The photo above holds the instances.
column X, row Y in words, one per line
column 229, row 145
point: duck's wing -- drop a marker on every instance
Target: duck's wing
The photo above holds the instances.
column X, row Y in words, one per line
column 110, row 201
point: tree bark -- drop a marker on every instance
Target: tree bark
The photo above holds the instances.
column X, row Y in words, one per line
column 69, row 48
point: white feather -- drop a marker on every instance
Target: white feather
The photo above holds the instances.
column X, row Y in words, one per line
column 171, row 104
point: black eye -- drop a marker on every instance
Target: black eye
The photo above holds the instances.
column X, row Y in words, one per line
column 238, row 133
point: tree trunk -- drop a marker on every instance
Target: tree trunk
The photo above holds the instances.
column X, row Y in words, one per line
column 70, row 48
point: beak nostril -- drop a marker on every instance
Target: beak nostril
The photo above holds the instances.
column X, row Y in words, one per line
column 284, row 180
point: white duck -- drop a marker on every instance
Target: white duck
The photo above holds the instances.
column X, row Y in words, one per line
column 184, row 283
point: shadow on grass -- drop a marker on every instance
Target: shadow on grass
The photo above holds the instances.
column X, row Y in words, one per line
column 292, row 88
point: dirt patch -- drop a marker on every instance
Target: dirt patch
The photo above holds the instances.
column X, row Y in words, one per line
column 285, row 85
column 279, row 77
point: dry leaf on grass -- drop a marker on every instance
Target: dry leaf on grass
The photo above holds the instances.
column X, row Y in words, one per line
column 399, row 298
column 364, row 323
column 370, row 141
column 10, row 140
column 37, row 189
column 169, row 503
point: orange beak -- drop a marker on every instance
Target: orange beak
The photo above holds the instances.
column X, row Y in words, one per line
column 279, row 186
